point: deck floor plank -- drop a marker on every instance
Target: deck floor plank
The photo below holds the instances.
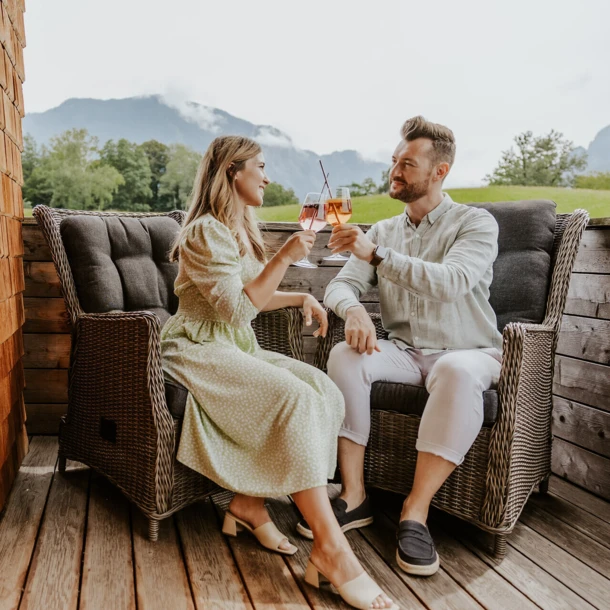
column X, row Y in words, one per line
column 580, row 519
column 267, row 576
column 54, row 576
column 108, row 580
column 581, row 498
column 522, row 573
column 21, row 517
column 161, row 579
column 439, row 592
column 581, row 546
column 558, row 556
column 465, row 567
column 573, row 573
column 286, row 514
column 473, row 574
column 214, row 577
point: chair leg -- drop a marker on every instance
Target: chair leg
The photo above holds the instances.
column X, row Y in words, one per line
column 153, row 530
column 500, row 546
column 61, row 465
column 543, row 486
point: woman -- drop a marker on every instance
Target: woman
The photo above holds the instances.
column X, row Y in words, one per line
column 256, row 422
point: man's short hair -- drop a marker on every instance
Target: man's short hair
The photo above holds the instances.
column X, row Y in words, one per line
column 443, row 140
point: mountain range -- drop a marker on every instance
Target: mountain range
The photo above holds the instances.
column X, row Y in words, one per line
column 139, row 119
column 152, row 117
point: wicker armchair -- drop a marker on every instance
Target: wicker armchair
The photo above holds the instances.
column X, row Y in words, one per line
column 512, row 455
column 118, row 420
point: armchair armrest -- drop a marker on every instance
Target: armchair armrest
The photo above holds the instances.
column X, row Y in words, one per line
column 116, row 394
column 520, row 442
column 336, row 334
column 281, row 331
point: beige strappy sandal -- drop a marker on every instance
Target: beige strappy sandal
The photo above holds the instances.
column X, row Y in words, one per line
column 358, row 593
column 267, row 534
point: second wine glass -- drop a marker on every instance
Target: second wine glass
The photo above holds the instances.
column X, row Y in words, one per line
column 338, row 211
column 312, row 218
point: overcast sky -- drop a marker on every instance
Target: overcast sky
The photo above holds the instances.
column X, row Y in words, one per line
column 336, row 74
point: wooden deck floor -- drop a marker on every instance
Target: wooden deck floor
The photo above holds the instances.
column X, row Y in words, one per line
column 72, row 541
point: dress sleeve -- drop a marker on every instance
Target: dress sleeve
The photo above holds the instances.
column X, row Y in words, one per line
column 210, row 256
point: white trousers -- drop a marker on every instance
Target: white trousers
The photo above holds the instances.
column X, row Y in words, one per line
column 455, row 380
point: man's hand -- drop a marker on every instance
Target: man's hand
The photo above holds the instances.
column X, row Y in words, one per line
column 360, row 331
column 351, row 238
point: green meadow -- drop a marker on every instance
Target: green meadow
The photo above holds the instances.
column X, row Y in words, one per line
column 375, row 207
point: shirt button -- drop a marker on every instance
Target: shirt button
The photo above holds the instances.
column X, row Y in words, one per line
column 416, row 338
column 412, row 313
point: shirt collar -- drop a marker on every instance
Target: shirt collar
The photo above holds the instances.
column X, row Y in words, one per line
column 436, row 213
column 440, row 209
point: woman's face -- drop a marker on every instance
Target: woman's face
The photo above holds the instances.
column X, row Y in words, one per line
column 251, row 180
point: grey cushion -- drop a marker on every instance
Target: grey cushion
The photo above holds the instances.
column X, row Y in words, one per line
column 522, row 271
column 121, row 263
column 175, row 396
column 411, row 400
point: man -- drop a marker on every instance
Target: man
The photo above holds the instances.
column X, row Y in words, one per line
column 433, row 268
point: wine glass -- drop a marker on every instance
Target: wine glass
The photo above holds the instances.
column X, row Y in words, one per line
column 312, row 217
column 338, row 211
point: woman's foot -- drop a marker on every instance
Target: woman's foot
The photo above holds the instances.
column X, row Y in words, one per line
column 340, row 566
column 253, row 511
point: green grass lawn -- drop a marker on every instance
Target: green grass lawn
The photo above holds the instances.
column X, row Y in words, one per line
column 375, row 207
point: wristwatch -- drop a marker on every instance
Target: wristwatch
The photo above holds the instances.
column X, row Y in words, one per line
column 379, row 254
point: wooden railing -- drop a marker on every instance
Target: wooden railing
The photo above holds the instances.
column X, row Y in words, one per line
column 581, row 417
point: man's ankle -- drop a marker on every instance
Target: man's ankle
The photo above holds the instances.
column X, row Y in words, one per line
column 414, row 511
column 353, row 497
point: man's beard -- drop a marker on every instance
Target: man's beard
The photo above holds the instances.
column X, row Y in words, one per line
column 409, row 193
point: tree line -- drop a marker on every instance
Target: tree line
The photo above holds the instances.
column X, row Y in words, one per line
column 546, row 160
column 73, row 171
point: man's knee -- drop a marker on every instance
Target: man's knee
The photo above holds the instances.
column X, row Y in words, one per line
column 452, row 371
column 343, row 362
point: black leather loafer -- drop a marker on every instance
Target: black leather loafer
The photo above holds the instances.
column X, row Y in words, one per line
column 416, row 553
column 360, row 516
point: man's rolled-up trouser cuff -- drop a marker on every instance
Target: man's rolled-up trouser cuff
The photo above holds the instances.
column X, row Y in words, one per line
column 444, row 452
column 359, row 439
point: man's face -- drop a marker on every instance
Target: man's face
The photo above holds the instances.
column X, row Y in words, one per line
column 411, row 171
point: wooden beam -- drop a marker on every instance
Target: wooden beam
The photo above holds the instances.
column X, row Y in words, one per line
column 584, row 381
column 589, row 295
column 585, row 338
column 581, row 467
column 594, row 252
column 582, row 425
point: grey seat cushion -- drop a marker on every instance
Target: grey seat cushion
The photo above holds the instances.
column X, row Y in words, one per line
column 175, row 395
column 411, row 400
column 522, row 271
column 121, row 263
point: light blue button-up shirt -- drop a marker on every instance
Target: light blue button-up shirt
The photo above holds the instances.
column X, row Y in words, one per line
column 434, row 281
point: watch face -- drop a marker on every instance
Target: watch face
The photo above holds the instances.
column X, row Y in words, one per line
column 381, row 252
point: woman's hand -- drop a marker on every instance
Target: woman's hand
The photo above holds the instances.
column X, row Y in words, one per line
column 313, row 309
column 297, row 246
column 351, row 238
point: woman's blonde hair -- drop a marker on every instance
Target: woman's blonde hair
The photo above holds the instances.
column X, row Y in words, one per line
column 213, row 192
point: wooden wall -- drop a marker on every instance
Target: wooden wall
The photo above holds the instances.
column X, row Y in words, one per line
column 581, row 418
column 13, row 438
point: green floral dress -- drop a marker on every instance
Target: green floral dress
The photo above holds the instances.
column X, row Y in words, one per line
column 256, row 422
